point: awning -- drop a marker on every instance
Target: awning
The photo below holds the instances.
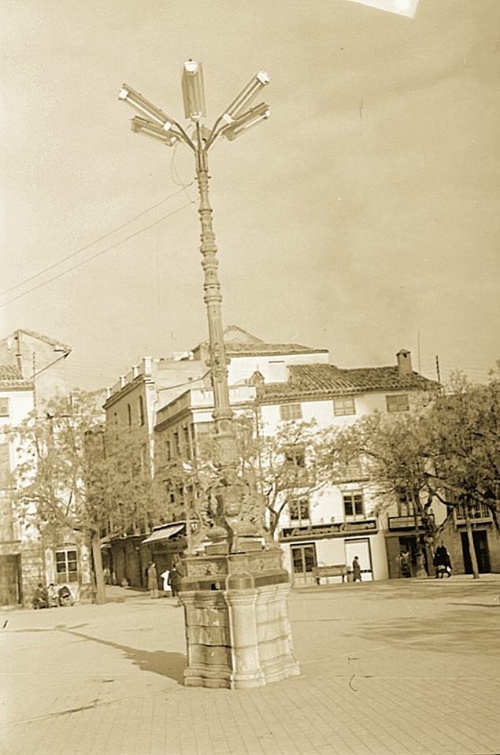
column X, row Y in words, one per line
column 164, row 533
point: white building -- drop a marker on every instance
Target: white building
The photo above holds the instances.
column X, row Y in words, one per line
column 284, row 382
column 32, row 373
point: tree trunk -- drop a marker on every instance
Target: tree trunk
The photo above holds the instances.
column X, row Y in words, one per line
column 100, row 597
column 470, row 539
column 419, row 565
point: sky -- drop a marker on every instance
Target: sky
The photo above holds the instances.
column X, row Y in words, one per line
column 361, row 217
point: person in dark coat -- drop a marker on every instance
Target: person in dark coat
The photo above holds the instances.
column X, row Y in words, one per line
column 442, row 561
column 152, row 580
column 173, row 581
column 40, row 598
column 356, row 570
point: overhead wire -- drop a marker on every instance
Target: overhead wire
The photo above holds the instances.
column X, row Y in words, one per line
column 91, row 244
column 98, row 254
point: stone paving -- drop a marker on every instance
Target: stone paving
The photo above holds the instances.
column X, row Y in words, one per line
column 405, row 667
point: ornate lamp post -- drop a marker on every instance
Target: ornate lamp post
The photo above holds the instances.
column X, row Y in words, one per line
column 234, row 590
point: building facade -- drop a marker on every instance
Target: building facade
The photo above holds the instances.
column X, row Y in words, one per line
column 31, row 374
column 274, row 384
column 277, row 383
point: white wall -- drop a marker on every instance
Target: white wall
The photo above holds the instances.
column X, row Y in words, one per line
column 272, row 367
column 20, row 405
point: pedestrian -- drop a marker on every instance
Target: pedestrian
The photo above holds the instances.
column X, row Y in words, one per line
column 404, row 564
column 65, row 596
column 52, row 596
column 164, row 576
column 442, row 561
column 40, row 597
column 356, row 570
column 173, row 581
column 152, row 580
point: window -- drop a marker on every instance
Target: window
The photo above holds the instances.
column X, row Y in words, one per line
column 398, row 403
column 351, row 470
column 129, row 415
column 344, row 405
column 4, row 407
column 299, row 509
column 144, row 459
column 303, row 558
column 353, row 503
column 290, row 411
column 4, row 465
column 67, row 564
column 186, row 432
column 406, row 505
column 474, row 511
column 295, row 456
column 142, row 416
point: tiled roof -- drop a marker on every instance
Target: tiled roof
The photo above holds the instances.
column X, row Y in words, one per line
column 269, row 349
column 51, row 341
column 320, row 379
column 10, row 375
column 239, row 342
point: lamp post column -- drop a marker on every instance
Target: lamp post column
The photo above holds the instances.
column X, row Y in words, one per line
column 233, row 586
column 218, row 361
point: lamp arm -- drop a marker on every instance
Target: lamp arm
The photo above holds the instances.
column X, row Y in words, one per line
column 183, row 135
column 215, row 133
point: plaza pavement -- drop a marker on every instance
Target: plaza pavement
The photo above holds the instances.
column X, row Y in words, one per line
column 404, row 667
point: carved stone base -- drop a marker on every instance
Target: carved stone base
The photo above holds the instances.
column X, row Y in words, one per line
column 237, row 627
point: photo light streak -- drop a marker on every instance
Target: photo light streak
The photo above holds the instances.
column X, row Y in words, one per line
column 401, row 7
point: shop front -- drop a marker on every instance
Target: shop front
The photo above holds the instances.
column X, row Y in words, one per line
column 335, row 544
column 164, row 547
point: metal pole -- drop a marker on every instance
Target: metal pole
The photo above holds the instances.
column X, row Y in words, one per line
column 218, row 361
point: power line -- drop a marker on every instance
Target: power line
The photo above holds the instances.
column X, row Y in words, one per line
column 98, row 254
column 93, row 243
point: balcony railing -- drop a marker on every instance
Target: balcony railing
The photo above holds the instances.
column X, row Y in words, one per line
column 477, row 512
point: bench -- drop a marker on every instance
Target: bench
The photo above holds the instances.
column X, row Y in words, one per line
column 335, row 570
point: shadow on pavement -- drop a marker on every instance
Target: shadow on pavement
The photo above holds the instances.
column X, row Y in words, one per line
column 456, row 631
column 160, row 662
column 413, row 589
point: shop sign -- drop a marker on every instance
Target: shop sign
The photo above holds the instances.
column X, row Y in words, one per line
column 335, row 529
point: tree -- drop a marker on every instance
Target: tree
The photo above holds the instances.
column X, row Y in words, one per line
column 464, row 435
column 448, row 451
column 279, row 468
column 291, row 464
column 74, row 474
column 396, row 454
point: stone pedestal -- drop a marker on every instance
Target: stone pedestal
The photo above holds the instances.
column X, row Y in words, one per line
column 236, row 611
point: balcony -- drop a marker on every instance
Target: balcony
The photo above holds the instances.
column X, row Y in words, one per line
column 412, row 522
column 477, row 513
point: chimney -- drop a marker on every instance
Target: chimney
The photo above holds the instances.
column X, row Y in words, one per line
column 404, row 362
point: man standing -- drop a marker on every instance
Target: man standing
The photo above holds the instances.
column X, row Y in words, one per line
column 356, row 570
column 404, row 563
column 152, row 580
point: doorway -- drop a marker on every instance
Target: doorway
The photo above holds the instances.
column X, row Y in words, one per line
column 303, row 561
column 10, row 583
column 360, row 548
column 480, row 539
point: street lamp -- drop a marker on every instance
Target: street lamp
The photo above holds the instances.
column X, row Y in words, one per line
column 237, row 118
column 234, row 588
